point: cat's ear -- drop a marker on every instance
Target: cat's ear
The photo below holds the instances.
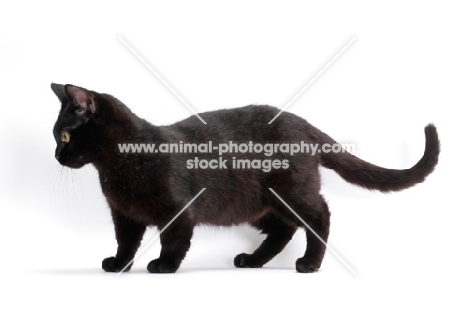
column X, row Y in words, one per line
column 59, row 90
column 81, row 98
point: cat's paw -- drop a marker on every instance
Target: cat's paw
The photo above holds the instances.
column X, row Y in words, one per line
column 246, row 261
column 306, row 266
column 113, row 264
column 161, row 266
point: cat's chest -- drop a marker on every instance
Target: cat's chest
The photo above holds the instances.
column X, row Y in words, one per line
column 134, row 198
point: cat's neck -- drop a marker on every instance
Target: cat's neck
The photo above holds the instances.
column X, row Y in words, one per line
column 117, row 153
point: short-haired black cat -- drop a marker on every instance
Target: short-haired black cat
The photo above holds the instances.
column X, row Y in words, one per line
column 149, row 189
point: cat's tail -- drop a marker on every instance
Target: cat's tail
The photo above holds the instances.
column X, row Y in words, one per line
column 370, row 176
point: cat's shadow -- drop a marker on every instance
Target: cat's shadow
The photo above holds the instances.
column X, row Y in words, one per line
column 140, row 271
column 64, row 271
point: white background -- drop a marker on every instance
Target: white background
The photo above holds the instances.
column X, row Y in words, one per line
column 407, row 67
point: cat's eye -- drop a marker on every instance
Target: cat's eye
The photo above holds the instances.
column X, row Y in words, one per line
column 65, row 137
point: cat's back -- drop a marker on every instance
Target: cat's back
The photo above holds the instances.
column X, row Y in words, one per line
column 245, row 123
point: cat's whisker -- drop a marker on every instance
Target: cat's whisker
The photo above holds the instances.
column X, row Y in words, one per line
column 64, row 182
column 61, row 185
column 72, row 177
column 71, row 190
column 65, row 189
column 56, row 181
column 67, row 186
column 79, row 197
column 78, row 180
column 52, row 173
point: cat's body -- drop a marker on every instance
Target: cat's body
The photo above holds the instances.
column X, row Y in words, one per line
column 149, row 189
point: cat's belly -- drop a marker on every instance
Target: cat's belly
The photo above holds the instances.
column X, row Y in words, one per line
column 228, row 217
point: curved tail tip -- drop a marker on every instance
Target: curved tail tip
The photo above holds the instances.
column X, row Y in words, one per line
column 431, row 135
column 430, row 128
column 432, row 150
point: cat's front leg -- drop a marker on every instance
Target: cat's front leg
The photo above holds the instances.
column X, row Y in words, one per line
column 175, row 242
column 128, row 234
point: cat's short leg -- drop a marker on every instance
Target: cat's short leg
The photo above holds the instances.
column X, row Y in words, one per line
column 128, row 234
column 175, row 242
column 278, row 235
column 318, row 219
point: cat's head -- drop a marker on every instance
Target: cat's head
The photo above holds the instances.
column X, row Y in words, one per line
column 78, row 130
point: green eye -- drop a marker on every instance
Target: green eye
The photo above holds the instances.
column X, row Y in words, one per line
column 65, row 137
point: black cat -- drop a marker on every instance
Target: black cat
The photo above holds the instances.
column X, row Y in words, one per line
column 149, row 189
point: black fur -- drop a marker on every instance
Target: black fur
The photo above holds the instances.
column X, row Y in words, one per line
column 150, row 189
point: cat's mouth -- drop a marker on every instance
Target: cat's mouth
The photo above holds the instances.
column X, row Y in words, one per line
column 76, row 163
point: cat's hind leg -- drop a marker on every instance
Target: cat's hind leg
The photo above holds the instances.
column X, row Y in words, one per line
column 279, row 233
column 317, row 217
